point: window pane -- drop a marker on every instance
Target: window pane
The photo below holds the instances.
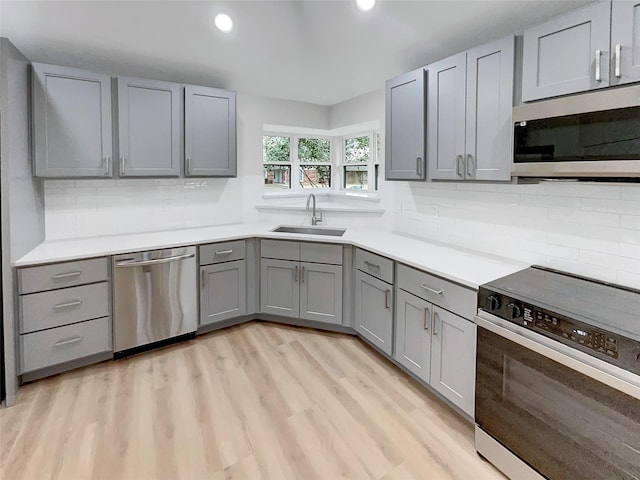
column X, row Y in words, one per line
column 315, row 176
column 356, row 150
column 276, row 149
column 356, row 177
column 277, row 176
column 314, row 150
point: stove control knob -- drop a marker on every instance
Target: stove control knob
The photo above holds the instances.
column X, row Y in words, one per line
column 493, row 302
column 515, row 309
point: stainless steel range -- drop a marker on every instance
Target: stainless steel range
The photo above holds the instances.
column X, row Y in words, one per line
column 558, row 377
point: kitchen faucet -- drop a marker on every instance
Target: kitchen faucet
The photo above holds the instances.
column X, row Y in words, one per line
column 314, row 220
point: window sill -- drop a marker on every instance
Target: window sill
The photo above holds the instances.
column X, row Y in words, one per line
column 330, row 194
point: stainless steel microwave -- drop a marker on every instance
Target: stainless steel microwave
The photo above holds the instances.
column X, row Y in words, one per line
column 594, row 135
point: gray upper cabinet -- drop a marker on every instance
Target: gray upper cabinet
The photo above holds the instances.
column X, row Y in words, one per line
column 149, row 128
column 374, row 311
column 413, row 334
column 321, row 292
column 469, row 130
column 446, row 118
column 71, row 122
column 568, row 54
column 453, row 357
column 489, row 129
column 405, row 127
column 223, row 291
column 625, row 41
column 210, row 132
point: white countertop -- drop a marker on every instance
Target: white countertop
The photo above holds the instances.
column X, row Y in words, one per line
column 462, row 266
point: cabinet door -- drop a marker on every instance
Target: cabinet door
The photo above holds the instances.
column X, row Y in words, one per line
column 374, row 311
column 625, row 41
column 446, row 118
column 413, row 334
column 321, row 292
column 71, row 122
column 210, row 132
column 561, row 56
column 453, row 358
column 149, row 128
column 489, row 128
column 279, row 287
column 404, row 127
column 223, row 291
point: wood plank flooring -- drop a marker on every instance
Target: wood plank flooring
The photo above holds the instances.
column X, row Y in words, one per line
column 257, row 401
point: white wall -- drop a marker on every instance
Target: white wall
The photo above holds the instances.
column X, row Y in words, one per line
column 80, row 208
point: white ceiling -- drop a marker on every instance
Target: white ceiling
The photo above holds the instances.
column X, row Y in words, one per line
column 320, row 52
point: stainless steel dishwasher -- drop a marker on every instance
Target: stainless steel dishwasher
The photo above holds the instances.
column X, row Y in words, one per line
column 155, row 297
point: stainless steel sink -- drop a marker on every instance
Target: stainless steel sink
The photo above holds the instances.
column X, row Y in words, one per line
column 332, row 232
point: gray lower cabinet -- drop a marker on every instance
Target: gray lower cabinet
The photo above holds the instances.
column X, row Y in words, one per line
column 625, row 41
column 223, row 291
column 469, row 128
column 148, row 127
column 279, row 290
column 568, row 54
column 413, row 334
column 210, row 132
column 374, row 311
column 453, row 358
column 405, row 127
column 71, row 122
column 321, row 292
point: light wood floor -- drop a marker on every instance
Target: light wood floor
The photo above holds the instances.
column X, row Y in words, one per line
column 258, row 401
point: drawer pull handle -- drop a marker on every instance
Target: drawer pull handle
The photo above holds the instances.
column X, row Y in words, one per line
column 203, row 278
column 302, row 275
column 60, row 276
column 224, row 252
column 72, row 303
column 68, row 341
column 435, row 319
column 427, row 316
column 386, row 298
column 371, row 265
column 295, row 274
column 432, row 290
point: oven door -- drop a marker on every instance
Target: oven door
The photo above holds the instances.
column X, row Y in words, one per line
column 564, row 413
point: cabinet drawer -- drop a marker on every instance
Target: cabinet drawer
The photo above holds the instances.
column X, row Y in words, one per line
column 39, row 311
column 438, row 291
column 280, row 249
column 58, row 345
column 375, row 265
column 321, row 253
column 222, row 252
column 59, row 275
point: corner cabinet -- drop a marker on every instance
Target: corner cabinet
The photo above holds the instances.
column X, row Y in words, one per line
column 148, row 128
column 210, row 132
column 405, row 127
column 470, row 99
column 570, row 53
column 71, row 115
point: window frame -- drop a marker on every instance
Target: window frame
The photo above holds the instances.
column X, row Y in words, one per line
column 372, row 181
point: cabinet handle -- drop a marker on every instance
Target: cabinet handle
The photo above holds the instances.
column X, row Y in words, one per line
column 60, row 343
column 427, row 317
column 469, row 165
column 432, row 290
column 188, row 166
column 459, row 160
column 72, row 303
column 419, row 166
column 386, row 298
column 435, row 319
column 618, row 54
column 224, row 252
column 203, row 279
column 598, row 59
column 59, row 276
column 302, row 275
column 107, row 162
column 371, row 265
column 122, row 172
column 295, row 274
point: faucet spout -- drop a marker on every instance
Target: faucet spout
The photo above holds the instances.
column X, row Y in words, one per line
column 314, row 218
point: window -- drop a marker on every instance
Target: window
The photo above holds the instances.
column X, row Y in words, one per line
column 314, row 157
column 276, row 159
column 360, row 162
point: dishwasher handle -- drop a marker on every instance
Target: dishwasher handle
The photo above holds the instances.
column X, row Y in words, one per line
column 155, row 261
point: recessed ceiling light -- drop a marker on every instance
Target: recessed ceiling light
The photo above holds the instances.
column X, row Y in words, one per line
column 224, row 22
column 365, row 5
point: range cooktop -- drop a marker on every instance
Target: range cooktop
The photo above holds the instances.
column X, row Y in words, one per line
column 599, row 318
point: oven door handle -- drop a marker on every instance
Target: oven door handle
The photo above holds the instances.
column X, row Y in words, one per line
column 606, row 373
